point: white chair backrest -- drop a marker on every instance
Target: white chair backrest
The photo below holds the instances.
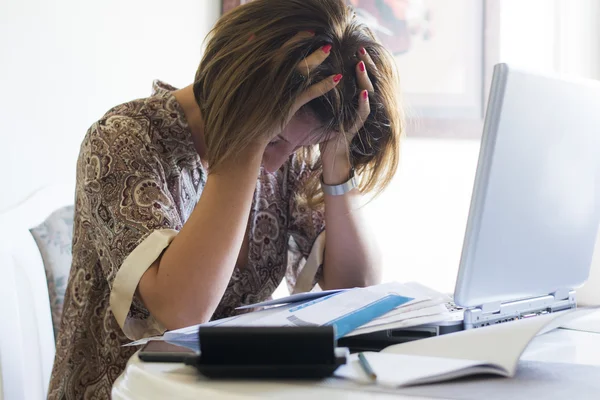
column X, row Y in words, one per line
column 27, row 344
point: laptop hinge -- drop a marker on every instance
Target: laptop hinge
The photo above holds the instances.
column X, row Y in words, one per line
column 496, row 313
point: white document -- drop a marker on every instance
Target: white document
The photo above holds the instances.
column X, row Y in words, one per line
column 422, row 305
column 403, row 313
column 190, row 333
column 295, row 298
column 495, row 349
column 408, row 323
column 397, row 370
column 415, row 318
column 413, row 314
column 588, row 323
column 346, row 310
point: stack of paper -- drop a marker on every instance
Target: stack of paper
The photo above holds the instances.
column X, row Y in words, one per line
column 431, row 310
column 351, row 311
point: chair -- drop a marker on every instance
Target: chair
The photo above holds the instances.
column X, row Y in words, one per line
column 28, row 241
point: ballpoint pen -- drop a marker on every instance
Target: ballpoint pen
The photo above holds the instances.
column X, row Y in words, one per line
column 366, row 367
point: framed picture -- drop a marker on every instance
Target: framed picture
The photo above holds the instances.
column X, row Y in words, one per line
column 445, row 52
column 227, row 5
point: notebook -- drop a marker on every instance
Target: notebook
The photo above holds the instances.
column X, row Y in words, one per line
column 495, row 350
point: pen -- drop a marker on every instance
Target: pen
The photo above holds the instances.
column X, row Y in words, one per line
column 366, row 366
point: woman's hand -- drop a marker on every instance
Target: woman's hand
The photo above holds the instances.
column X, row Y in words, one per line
column 335, row 152
column 304, row 68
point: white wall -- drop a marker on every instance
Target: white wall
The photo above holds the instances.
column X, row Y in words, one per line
column 63, row 63
column 552, row 35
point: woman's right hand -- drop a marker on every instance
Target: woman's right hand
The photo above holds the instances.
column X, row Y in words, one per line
column 304, row 68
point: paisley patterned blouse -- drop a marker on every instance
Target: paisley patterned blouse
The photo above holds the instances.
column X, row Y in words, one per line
column 138, row 180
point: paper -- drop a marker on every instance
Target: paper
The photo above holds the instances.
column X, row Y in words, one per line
column 428, row 292
column 428, row 311
column 588, row 323
column 495, row 349
column 346, row 310
column 295, row 298
column 395, row 370
column 533, row 380
column 181, row 334
column 408, row 323
column 191, row 333
column 404, row 313
column 501, row 344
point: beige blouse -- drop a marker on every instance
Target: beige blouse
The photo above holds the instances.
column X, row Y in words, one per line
column 138, row 180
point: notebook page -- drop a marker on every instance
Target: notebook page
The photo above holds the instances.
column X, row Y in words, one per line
column 500, row 345
column 394, row 370
column 588, row 323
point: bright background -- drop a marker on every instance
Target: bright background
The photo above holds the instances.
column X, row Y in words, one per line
column 65, row 62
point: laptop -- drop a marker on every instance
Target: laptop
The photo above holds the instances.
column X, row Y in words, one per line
column 535, row 208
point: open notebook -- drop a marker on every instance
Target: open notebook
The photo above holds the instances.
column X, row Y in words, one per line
column 490, row 350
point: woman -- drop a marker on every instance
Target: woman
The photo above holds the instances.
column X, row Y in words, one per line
column 193, row 202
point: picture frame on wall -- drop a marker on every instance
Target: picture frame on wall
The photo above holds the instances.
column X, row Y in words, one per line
column 437, row 46
column 228, row 5
column 445, row 53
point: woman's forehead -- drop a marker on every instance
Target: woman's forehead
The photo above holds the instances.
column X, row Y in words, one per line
column 313, row 130
column 313, row 136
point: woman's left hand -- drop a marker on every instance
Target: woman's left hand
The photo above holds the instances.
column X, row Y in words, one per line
column 335, row 152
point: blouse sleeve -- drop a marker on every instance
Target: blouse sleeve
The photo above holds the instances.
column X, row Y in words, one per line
column 307, row 235
column 128, row 211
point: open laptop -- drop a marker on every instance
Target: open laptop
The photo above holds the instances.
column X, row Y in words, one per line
column 535, row 208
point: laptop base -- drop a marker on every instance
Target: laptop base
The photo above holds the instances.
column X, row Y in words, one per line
column 478, row 317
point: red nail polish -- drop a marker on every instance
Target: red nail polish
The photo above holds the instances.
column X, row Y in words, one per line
column 337, row 78
column 327, row 48
column 252, row 37
column 365, row 94
column 362, row 67
column 312, row 32
column 363, row 51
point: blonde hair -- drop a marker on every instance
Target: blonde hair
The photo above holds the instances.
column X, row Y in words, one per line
column 247, row 82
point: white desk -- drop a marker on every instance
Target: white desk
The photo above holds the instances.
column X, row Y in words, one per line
column 159, row 381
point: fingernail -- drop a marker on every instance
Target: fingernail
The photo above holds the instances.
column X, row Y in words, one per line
column 362, row 67
column 312, row 32
column 365, row 94
column 252, row 37
column 363, row 51
column 337, row 78
column 327, row 48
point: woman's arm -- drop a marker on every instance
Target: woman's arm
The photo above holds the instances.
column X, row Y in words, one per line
column 184, row 287
column 351, row 256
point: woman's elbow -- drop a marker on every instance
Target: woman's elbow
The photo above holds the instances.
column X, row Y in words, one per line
column 169, row 307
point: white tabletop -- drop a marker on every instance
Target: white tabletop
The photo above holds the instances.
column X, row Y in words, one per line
column 157, row 380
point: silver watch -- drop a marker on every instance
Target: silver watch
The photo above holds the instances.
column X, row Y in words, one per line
column 342, row 188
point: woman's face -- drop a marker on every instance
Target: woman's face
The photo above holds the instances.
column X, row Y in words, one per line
column 302, row 130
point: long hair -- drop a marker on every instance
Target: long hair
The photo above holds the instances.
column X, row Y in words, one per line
column 247, row 82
